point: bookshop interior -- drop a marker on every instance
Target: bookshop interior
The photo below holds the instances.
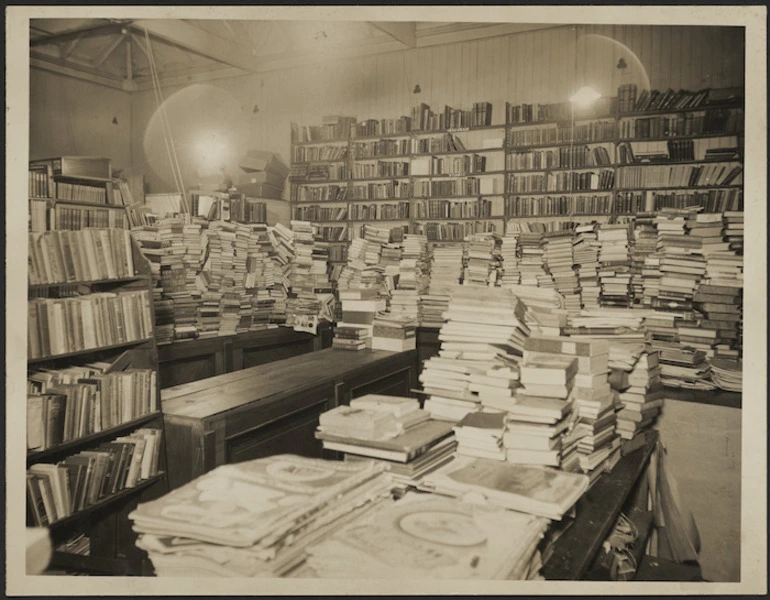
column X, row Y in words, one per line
column 370, row 299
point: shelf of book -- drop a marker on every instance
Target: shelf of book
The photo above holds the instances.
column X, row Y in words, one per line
column 676, row 111
column 686, row 187
column 557, row 122
column 452, row 152
column 390, row 178
column 664, row 163
column 41, row 286
column 526, row 147
column 596, row 192
column 321, row 142
column 458, row 130
column 107, row 501
column 34, row 456
column 695, row 136
column 450, row 175
column 98, row 349
column 319, row 181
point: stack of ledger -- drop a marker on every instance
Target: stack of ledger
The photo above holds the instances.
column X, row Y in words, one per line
column 642, row 399
column 585, row 252
column 484, row 331
column 254, row 518
column 445, row 271
column 423, row 536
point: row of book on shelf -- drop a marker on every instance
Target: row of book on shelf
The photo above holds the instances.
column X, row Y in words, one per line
column 56, row 491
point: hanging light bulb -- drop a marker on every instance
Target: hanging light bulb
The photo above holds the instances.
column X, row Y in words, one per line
column 585, row 96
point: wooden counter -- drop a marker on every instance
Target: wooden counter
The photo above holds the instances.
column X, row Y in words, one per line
column 272, row 408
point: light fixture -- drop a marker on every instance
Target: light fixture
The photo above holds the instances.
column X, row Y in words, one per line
column 585, row 96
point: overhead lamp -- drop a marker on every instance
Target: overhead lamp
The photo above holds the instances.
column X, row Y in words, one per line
column 585, row 96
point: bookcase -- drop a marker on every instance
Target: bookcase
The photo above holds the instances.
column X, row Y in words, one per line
column 95, row 435
column 72, row 192
column 544, row 165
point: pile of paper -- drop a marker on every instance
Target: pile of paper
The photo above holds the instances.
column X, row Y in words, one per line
column 532, row 489
column 446, row 269
column 254, row 518
column 585, row 252
column 428, row 537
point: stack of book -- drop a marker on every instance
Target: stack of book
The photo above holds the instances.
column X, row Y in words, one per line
column 734, row 230
column 395, row 333
column 254, row 518
column 684, row 367
column 359, row 307
column 559, row 262
column 531, row 262
column 222, row 249
column 585, row 252
column 445, row 273
column 615, row 265
column 347, row 337
column 727, row 374
column 240, row 262
column 56, row 491
column 172, row 277
column 153, row 248
column 259, row 276
column 510, row 256
column 721, row 307
column 642, row 399
column 424, row 536
column 479, row 267
column 480, row 434
column 484, row 330
column 644, row 243
column 545, row 399
column 545, row 312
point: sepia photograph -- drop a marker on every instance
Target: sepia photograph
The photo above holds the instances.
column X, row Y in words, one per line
column 386, row 300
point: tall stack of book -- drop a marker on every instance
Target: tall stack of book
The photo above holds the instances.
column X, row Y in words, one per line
column 532, row 260
column 173, row 279
column 559, row 262
column 259, row 276
column 412, row 277
column 281, row 256
column 734, row 230
column 615, row 266
column 644, row 243
column 545, row 312
column 585, row 253
column 545, row 399
column 642, row 399
column 240, row 261
column 510, row 256
column 395, row 333
column 484, row 331
column 480, row 259
column 445, row 272
column 153, row 248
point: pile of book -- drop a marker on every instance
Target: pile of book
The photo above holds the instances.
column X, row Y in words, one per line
column 559, row 262
column 172, row 276
column 359, row 307
column 254, row 518
column 75, row 256
column 642, row 399
column 63, row 325
column 392, row 430
column 510, row 258
column 585, row 253
column 545, row 312
column 734, row 230
column 480, row 259
column 727, row 374
column 259, row 276
column 56, row 491
column 445, row 272
column 412, row 277
column 392, row 332
column 67, row 404
column 531, row 264
column 484, row 332
column 224, row 280
column 480, row 434
column 615, row 265
column 424, row 536
column 644, row 243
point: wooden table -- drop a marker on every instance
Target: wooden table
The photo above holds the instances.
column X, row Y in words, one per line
column 272, row 408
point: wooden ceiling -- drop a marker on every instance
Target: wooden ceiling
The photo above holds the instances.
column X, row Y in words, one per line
column 115, row 52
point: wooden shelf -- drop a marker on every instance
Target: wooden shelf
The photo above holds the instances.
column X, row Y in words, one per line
column 460, row 130
column 570, row 217
column 58, row 176
column 369, row 138
column 36, row 456
column 79, row 203
column 518, row 148
column 37, row 286
column 451, row 219
column 318, row 162
column 552, row 169
column 357, row 179
column 447, row 175
column 452, row 152
column 89, row 351
column 690, row 136
column 674, row 111
column 473, row 197
column 321, row 142
column 388, row 157
column 664, row 163
column 108, row 500
column 381, row 220
column 567, row 121
column 406, row 199
column 563, row 193
column 684, row 187
column 320, row 182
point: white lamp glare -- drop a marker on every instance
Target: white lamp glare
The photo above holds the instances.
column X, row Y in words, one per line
column 585, row 96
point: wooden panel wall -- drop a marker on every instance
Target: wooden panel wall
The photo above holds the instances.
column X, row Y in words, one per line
column 536, row 66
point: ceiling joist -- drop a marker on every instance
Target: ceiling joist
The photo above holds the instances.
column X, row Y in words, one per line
column 107, row 52
column 100, row 28
column 198, row 41
column 402, row 31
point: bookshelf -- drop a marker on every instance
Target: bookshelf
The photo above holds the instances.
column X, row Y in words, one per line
column 536, row 164
column 95, row 434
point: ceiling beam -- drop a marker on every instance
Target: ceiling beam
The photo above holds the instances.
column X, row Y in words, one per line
column 63, row 36
column 402, row 31
column 199, row 41
column 129, row 60
column 464, row 32
column 107, row 52
column 69, row 47
column 52, row 65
